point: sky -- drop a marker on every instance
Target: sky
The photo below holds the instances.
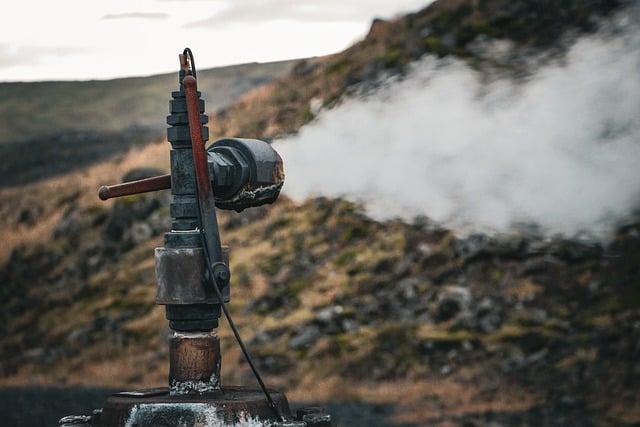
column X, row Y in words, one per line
column 90, row 39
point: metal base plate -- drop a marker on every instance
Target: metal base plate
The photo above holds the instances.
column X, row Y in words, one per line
column 157, row 407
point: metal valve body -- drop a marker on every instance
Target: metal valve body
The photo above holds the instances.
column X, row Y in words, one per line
column 243, row 173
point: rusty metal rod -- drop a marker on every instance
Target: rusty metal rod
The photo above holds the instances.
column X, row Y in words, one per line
column 209, row 224
column 162, row 182
column 206, row 201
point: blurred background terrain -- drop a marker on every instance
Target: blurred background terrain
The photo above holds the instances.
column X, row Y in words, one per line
column 386, row 320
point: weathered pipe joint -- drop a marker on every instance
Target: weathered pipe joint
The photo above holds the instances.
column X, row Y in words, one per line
column 182, row 276
column 185, row 289
column 194, row 363
column 247, row 173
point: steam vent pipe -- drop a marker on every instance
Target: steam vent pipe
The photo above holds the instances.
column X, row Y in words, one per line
column 193, row 280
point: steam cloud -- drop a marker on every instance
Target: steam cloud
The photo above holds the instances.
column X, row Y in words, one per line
column 560, row 151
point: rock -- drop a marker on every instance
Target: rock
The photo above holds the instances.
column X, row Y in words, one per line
column 284, row 274
column 264, row 336
column 94, row 261
column 539, row 265
column 110, row 324
column 594, row 286
column 532, row 316
column 424, row 248
column 425, row 32
column 304, row 67
column 315, row 105
column 248, row 216
column 329, row 314
column 538, row 356
column 349, row 325
column 331, row 319
column 408, row 288
column 69, row 226
column 433, row 229
column 485, row 306
column 29, row 216
column 403, row 267
column 159, row 222
column 275, row 364
column 80, row 336
column 575, row 250
column 379, row 29
column 260, row 338
column 305, row 338
column 480, row 45
column 489, row 323
column 516, row 359
column 473, row 246
column 140, row 232
column 500, row 51
column 445, row 370
column 449, row 40
column 451, row 301
column 382, row 266
column 487, row 317
column 127, row 211
column 37, row 355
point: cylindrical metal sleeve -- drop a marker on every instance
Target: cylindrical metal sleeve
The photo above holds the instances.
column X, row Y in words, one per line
column 194, row 358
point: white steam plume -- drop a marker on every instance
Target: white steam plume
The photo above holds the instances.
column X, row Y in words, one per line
column 561, row 150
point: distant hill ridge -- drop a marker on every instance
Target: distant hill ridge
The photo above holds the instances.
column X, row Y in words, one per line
column 444, row 28
column 68, row 125
column 40, row 109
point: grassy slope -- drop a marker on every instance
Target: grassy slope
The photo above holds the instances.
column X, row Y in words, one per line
column 336, row 306
column 40, row 109
column 69, row 125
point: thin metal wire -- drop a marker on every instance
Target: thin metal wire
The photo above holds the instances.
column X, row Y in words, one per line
column 192, row 62
column 233, row 327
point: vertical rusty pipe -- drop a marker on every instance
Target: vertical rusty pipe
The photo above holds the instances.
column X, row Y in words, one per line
column 194, row 362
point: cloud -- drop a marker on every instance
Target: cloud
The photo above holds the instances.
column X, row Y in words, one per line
column 13, row 56
column 261, row 11
column 135, row 15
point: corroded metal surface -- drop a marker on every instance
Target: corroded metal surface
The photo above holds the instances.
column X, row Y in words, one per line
column 180, row 276
column 228, row 405
column 194, row 362
column 193, row 274
column 156, row 183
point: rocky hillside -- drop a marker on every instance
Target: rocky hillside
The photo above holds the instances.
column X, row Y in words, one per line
column 339, row 307
column 460, row 28
column 424, row 325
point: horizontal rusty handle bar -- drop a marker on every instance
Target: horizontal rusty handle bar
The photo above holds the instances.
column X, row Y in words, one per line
column 162, row 182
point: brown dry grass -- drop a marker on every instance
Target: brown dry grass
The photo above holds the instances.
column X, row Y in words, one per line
column 51, row 194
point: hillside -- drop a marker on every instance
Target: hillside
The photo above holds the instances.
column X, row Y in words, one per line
column 446, row 28
column 336, row 308
column 424, row 325
column 30, row 110
column 73, row 124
